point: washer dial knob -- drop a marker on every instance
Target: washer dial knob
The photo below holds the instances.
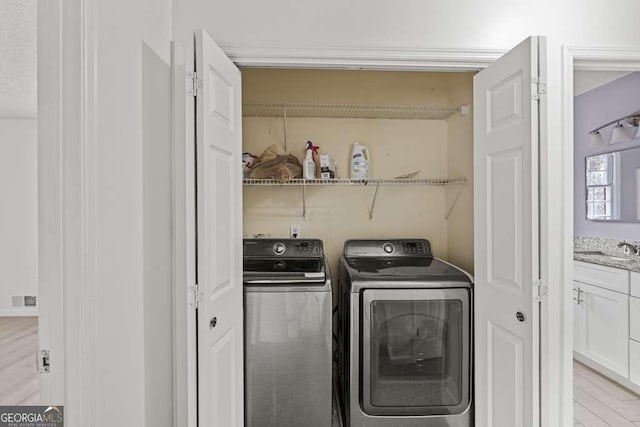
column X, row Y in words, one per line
column 279, row 248
column 388, row 248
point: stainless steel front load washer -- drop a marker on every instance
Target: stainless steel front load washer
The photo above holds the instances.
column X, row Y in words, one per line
column 404, row 336
column 288, row 344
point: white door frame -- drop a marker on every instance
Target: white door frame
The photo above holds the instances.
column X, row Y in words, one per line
column 66, row 148
column 389, row 59
column 67, row 120
column 587, row 59
column 185, row 385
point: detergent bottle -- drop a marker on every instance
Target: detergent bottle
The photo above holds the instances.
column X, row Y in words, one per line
column 360, row 162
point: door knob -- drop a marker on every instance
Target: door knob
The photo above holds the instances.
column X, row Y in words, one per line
column 520, row 316
column 213, row 322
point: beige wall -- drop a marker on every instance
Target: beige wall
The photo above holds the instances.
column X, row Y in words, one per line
column 335, row 214
column 460, row 162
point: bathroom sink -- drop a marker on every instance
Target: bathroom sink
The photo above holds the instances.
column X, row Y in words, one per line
column 589, row 253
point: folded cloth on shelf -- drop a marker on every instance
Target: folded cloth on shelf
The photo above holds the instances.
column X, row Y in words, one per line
column 275, row 163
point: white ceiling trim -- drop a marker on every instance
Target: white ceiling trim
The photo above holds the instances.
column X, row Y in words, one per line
column 365, row 58
column 605, row 58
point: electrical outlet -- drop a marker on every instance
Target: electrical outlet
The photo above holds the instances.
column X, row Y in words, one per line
column 294, row 231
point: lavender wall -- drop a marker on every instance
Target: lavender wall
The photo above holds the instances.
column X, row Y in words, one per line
column 591, row 110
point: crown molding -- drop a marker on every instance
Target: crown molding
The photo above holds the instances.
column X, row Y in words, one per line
column 605, row 58
column 361, row 57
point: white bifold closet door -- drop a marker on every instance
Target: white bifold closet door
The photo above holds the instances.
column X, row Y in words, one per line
column 219, row 236
column 506, row 134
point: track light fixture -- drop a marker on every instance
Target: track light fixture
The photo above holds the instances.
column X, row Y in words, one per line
column 620, row 133
column 596, row 140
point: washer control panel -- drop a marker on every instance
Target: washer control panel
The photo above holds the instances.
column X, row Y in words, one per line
column 286, row 248
column 306, row 247
column 391, row 247
column 412, row 248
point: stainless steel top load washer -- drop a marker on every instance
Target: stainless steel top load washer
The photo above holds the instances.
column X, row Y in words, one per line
column 404, row 336
column 288, row 342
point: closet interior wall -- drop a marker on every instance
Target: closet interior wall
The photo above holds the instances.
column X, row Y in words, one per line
column 460, row 163
column 437, row 148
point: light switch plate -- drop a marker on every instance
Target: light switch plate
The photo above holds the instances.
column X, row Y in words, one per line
column 294, row 231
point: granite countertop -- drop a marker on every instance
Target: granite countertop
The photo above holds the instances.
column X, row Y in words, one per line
column 624, row 262
column 605, row 251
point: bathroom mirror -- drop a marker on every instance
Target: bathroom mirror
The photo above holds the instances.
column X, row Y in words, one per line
column 613, row 186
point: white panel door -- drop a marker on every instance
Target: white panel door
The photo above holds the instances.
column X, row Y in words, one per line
column 219, row 235
column 604, row 328
column 506, row 238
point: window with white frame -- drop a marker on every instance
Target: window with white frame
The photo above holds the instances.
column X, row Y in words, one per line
column 601, row 187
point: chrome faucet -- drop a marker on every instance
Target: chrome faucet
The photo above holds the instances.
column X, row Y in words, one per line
column 629, row 248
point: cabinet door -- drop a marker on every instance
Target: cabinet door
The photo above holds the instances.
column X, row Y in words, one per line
column 634, row 363
column 634, row 318
column 604, row 328
column 635, row 284
column 614, row 279
column 577, row 298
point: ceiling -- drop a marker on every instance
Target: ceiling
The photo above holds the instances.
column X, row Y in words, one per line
column 18, row 62
column 18, row 44
column 584, row 81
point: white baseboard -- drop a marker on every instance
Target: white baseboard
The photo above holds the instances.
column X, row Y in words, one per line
column 18, row 312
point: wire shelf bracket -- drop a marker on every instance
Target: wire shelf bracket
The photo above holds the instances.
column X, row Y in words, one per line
column 455, row 200
column 373, row 202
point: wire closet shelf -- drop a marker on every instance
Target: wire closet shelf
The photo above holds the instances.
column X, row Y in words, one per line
column 358, row 182
column 350, row 111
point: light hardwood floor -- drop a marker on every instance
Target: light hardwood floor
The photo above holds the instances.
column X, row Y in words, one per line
column 598, row 401
column 18, row 374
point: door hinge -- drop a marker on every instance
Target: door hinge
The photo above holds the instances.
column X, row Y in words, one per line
column 538, row 88
column 43, row 362
column 540, row 290
column 195, row 296
column 193, row 83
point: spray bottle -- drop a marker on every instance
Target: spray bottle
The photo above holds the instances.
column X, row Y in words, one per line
column 309, row 166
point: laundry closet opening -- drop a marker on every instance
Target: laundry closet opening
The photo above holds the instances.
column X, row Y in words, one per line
column 410, row 122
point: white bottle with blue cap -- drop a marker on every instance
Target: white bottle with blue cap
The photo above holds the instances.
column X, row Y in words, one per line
column 360, row 161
